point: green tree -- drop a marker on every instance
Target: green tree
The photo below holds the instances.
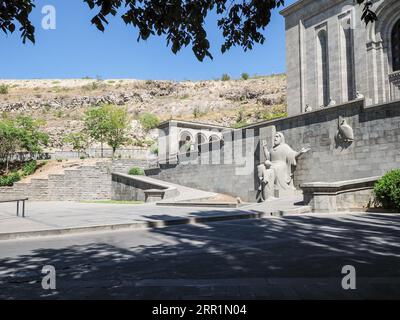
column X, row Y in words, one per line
column 108, row 124
column 9, row 141
column 182, row 22
column 95, row 121
column 32, row 139
column 78, row 140
column 149, row 121
column 118, row 125
column 20, row 134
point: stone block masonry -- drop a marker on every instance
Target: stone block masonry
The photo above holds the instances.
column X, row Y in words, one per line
column 83, row 183
column 374, row 151
column 219, row 178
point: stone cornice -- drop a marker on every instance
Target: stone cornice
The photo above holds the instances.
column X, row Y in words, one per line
column 303, row 3
column 294, row 7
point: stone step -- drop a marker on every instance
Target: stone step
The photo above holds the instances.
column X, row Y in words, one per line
column 291, row 211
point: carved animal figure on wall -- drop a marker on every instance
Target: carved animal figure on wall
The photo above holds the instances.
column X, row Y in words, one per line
column 346, row 132
column 359, row 95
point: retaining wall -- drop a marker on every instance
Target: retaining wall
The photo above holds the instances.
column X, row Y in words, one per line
column 82, row 183
column 375, row 150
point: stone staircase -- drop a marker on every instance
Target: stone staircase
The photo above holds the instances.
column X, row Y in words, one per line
column 85, row 182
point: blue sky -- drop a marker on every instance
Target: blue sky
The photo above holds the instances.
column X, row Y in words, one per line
column 77, row 49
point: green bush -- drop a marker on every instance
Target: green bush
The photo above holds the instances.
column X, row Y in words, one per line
column 3, row 89
column 136, row 171
column 245, row 76
column 387, row 190
column 149, row 121
column 10, row 179
column 154, row 148
column 29, row 168
column 225, row 77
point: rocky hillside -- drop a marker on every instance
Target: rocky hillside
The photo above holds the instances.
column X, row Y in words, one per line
column 62, row 102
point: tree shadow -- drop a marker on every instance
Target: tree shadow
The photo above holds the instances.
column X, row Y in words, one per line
column 295, row 257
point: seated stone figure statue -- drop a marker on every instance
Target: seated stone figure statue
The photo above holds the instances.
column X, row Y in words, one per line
column 283, row 161
column 266, row 177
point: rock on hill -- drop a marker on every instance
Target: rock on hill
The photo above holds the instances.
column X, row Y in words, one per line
column 62, row 102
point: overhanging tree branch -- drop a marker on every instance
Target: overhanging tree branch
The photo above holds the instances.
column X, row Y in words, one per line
column 181, row 21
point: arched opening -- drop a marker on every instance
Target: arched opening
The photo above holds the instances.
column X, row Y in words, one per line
column 214, row 138
column 185, row 142
column 396, row 46
column 200, row 140
column 323, row 68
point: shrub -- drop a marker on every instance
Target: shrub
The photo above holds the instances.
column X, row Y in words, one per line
column 29, row 168
column 59, row 114
column 95, row 85
column 9, row 180
column 387, row 190
column 154, row 148
column 225, row 77
column 245, row 76
column 149, row 121
column 3, row 89
column 240, row 124
column 136, row 171
column 197, row 113
column 271, row 116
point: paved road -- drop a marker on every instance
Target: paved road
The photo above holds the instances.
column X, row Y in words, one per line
column 60, row 215
column 292, row 258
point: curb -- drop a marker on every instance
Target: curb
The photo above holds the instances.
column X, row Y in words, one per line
column 201, row 204
column 134, row 225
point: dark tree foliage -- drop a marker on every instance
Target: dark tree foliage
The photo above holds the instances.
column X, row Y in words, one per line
column 181, row 21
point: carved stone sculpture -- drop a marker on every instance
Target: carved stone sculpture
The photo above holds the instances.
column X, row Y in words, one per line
column 266, row 177
column 283, row 160
column 359, row 95
column 332, row 103
column 346, row 133
column 308, row 108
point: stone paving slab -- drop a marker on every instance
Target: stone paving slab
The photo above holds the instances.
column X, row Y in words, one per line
column 299, row 257
column 53, row 218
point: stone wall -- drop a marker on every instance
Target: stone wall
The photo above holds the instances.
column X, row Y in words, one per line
column 83, row 183
column 220, row 178
column 134, row 188
column 224, row 167
column 350, row 195
column 358, row 58
column 375, row 150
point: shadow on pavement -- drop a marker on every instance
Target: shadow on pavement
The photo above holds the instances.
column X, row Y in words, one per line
column 292, row 258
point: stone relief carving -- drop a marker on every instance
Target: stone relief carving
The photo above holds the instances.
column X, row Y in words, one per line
column 345, row 135
column 279, row 167
column 332, row 103
column 266, row 176
column 359, row 95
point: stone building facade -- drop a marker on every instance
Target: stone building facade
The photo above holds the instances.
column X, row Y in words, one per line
column 332, row 54
column 177, row 137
